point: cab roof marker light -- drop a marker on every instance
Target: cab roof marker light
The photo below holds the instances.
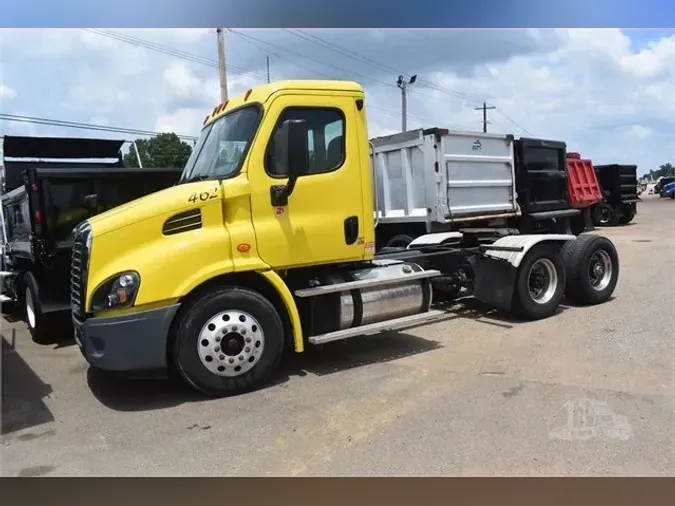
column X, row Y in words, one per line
column 246, row 95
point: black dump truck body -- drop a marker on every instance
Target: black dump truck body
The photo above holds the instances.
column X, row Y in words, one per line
column 620, row 190
column 44, row 198
column 541, row 184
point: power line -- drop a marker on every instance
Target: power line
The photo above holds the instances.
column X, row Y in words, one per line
column 514, row 123
column 171, row 51
column 306, row 36
column 364, row 59
column 355, row 56
column 256, row 42
column 363, row 76
column 85, row 126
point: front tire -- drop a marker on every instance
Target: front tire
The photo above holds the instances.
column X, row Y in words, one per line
column 38, row 322
column 228, row 341
column 592, row 265
column 540, row 283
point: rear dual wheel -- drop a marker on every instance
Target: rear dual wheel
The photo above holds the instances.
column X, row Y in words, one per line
column 592, row 269
column 540, row 282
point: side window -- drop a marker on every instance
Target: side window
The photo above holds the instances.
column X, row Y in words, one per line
column 325, row 131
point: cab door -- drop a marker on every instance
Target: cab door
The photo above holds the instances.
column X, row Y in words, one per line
column 323, row 219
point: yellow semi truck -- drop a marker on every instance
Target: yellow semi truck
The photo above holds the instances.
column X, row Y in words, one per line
column 268, row 242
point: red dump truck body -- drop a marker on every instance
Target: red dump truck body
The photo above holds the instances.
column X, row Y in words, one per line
column 582, row 183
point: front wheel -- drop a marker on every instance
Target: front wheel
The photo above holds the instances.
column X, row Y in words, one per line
column 540, row 283
column 228, row 341
column 40, row 326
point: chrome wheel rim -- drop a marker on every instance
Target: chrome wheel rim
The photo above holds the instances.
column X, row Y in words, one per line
column 30, row 309
column 231, row 343
column 605, row 215
column 600, row 270
column 542, row 281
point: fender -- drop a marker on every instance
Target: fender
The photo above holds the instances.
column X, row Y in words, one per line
column 526, row 243
column 434, row 239
column 282, row 289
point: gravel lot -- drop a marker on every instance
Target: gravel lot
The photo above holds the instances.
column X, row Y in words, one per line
column 478, row 394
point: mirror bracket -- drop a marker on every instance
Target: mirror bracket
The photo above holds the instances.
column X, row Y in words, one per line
column 279, row 195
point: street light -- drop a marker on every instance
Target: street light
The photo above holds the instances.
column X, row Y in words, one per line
column 403, row 84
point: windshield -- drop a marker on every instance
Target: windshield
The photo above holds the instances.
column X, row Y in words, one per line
column 222, row 146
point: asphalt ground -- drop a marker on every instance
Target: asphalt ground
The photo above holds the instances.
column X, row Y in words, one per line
column 588, row 392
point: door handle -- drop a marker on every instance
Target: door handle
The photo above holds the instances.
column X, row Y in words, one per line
column 351, row 230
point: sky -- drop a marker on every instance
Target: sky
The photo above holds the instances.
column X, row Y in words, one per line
column 607, row 93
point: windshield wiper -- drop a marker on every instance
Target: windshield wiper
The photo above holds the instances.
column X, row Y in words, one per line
column 201, row 177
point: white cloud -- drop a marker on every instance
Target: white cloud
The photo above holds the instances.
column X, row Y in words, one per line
column 6, row 93
column 601, row 91
column 181, row 80
column 640, row 132
column 181, row 121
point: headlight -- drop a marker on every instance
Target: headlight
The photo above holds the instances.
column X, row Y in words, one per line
column 118, row 291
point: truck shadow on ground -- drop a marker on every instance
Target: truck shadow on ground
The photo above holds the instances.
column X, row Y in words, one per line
column 23, row 391
column 128, row 395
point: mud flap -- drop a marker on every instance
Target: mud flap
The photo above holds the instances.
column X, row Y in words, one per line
column 588, row 219
column 494, row 282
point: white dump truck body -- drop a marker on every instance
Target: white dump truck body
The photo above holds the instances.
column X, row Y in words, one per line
column 442, row 176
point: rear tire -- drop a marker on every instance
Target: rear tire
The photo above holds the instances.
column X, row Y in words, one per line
column 399, row 241
column 228, row 341
column 629, row 212
column 445, row 294
column 604, row 215
column 39, row 323
column 592, row 266
column 540, row 283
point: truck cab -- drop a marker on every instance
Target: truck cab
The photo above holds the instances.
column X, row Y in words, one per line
column 268, row 241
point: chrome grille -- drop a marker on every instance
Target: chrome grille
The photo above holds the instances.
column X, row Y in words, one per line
column 78, row 269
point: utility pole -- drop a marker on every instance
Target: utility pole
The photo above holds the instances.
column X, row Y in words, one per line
column 403, row 84
column 222, row 68
column 267, row 59
column 485, row 110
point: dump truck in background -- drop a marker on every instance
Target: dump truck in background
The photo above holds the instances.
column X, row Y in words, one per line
column 275, row 247
column 620, row 191
column 584, row 191
column 438, row 180
column 50, row 185
column 661, row 185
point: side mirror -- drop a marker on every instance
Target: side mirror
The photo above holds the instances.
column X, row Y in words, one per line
column 292, row 153
column 293, row 149
column 91, row 201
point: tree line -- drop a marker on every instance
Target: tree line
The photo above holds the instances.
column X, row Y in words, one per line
column 664, row 170
column 161, row 151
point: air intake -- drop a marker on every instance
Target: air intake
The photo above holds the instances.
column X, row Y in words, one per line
column 183, row 222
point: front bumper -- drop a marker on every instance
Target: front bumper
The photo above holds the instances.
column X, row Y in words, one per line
column 133, row 343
